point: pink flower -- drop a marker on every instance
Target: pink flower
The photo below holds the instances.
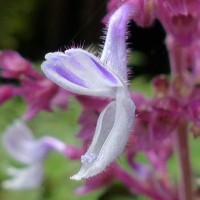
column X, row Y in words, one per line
column 179, row 18
column 15, row 66
column 42, row 95
column 155, row 121
column 193, row 111
column 7, row 92
column 92, row 108
column 160, row 154
column 101, row 180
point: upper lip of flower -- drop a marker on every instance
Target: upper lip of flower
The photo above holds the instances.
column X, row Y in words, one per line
column 81, row 72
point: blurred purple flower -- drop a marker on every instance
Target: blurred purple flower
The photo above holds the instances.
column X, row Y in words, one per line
column 42, row 95
column 29, row 177
column 7, row 92
column 92, row 107
column 19, row 143
column 179, row 19
column 15, row 66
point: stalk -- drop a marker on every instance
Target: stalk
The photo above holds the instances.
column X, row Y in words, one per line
column 182, row 147
column 178, row 63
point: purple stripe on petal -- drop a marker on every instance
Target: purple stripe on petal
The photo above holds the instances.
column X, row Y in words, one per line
column 104, row 72
column 74, row 61
column 69, row 76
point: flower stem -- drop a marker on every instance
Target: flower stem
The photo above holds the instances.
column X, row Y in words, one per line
column 135, row 185
column 182, row 145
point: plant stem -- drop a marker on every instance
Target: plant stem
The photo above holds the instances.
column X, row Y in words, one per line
column 182, row 145
column 135, row 185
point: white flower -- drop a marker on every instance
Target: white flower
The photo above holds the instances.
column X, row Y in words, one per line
column 28, row 178
column 19, row 142
column 83, row 73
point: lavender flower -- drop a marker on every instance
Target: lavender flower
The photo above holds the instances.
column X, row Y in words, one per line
column 19, row 142
column 28, row 178
column 83, row 73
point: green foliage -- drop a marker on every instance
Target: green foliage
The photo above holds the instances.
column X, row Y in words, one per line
column 137, row 58
column 141, row 84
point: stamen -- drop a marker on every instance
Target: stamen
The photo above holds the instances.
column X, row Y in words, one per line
column 88, row 158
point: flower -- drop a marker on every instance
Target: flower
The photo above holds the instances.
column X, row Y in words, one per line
column 92, row 107
column 145, row 10
column 42, row 95
column 28, row 178
column 180, row 19
column 19, row 142
column 83, row 73
column 15, row 66
column 7, row 92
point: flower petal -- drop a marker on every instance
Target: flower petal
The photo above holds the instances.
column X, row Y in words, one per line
column 14, row 66
column 28, row 178
column 111, row 136
column 7, row 92
column 114, row 51
column 20, row 144
column 80, row 72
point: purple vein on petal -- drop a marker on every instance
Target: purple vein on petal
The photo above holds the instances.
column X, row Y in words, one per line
column 69, row 76
column 104, row 72
column 75, row 61
column 98, row 65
